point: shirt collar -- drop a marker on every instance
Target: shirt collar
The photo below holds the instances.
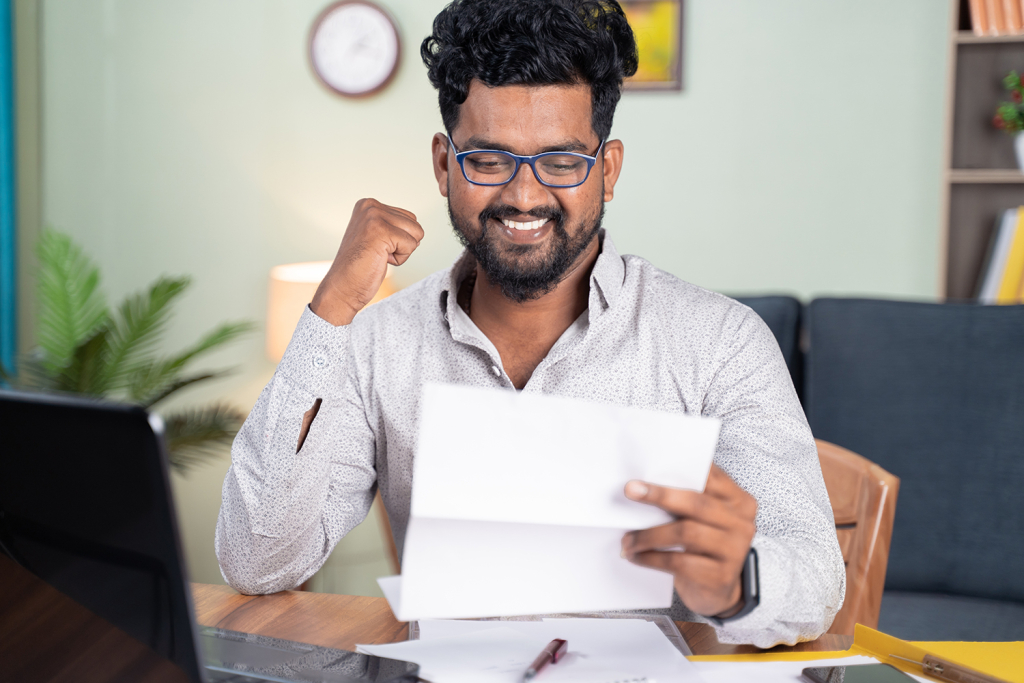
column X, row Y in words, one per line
column 605, row 279
column 608, row 274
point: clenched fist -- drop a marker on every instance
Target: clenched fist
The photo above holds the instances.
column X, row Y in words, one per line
column 377, row 235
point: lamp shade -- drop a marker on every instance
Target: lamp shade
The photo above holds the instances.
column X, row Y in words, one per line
column 292, row 286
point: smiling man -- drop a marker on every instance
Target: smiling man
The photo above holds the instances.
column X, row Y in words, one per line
column 540, row 301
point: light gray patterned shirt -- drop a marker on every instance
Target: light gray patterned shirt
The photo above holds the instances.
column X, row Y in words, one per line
column 647, row 340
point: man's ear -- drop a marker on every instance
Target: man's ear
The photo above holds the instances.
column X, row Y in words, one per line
column 611, row 156
column 439, row 148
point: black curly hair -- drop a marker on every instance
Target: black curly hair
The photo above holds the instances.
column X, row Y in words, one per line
column 531, row 42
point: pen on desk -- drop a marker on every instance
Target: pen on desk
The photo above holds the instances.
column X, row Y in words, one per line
column 551, row 653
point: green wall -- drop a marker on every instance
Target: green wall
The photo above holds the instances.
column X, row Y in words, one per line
column 804, row 156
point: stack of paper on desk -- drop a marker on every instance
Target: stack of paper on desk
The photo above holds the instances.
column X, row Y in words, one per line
column 518, row 504
column 600, row 651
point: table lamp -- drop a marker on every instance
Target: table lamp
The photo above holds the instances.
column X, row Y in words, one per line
column 292, row 286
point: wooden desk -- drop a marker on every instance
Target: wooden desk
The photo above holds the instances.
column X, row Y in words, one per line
column 341, row 621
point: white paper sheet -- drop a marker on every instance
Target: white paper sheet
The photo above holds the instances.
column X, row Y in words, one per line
column 391, row 587
column 532, row 458
column 600, row 651
column 497, row 655
column 457, row 569
column 519, row 509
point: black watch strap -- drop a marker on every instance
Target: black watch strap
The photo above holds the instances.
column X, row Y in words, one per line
column 750, row 590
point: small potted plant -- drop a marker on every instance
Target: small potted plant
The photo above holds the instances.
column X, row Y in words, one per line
column 1010, row 115
column 85, row 347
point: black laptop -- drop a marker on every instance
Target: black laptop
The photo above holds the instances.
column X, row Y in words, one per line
column 86, row 512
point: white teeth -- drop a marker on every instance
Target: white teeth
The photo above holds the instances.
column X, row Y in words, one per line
column 532, row 225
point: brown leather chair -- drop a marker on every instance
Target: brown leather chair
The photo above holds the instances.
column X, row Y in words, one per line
column 863, row 499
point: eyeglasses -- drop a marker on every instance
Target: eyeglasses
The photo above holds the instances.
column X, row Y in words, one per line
column 491, row 167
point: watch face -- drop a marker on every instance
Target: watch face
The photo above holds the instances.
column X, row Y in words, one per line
column 354, row 47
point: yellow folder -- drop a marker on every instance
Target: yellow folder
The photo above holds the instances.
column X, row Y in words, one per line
column 1001, row 660
column 1013, row 272
column 1020, row 293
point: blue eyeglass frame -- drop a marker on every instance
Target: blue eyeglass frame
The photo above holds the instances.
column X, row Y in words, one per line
column 460, row 157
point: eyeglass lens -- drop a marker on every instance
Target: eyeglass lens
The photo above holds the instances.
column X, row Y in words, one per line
column 554, row 169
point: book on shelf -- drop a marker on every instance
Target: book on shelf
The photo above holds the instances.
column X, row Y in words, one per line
column 1020, row 292
column 996, row 21
column 1012, row 15
column 1002, row 276
column 979, row 20
column 979, row 17
column 1013, row 271
column 997, row 17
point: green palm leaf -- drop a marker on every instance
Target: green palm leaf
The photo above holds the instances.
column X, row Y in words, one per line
column 86, row 373
column 165, row 390
column 84, row 350
column 154, row 381
column 200, row 433
column 217, row 337
column 71, row 307
column 137, row 329
column 5, row 378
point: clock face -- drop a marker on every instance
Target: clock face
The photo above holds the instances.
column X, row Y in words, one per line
column 354, row 47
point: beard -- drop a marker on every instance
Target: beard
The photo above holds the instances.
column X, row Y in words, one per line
column 526, row 271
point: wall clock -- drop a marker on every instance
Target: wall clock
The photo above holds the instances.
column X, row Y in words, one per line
column 354, row 47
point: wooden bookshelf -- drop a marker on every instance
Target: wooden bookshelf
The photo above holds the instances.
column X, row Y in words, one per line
column 969, row 37
column 964, row 176
column 982, row 177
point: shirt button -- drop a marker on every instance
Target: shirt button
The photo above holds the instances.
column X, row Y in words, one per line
column 319, row 362
column 496, row 371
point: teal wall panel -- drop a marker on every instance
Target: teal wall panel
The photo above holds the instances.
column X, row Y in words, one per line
column 8, row 246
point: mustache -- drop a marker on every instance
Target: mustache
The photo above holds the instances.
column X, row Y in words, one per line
column 499, row 211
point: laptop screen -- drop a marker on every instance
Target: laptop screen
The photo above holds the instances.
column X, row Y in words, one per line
column 85, row 506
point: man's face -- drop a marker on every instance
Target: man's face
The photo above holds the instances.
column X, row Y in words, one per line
column 561, row 223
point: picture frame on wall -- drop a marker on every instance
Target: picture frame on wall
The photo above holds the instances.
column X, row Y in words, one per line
column 658, row 27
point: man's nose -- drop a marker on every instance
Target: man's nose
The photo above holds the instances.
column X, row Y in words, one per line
column 525, row 190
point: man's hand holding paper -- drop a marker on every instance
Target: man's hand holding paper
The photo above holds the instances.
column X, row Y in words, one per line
column 530, row 519
column 713, row 528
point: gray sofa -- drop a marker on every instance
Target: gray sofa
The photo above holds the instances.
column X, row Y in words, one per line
column 933, row 393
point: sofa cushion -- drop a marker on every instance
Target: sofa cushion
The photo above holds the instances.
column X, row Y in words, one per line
column 934, row 616
column 933, row 393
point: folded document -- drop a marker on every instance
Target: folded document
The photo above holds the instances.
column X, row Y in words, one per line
column 600, row 651
column 519, row 507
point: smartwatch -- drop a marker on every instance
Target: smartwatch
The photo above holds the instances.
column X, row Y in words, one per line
column 750, row 590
